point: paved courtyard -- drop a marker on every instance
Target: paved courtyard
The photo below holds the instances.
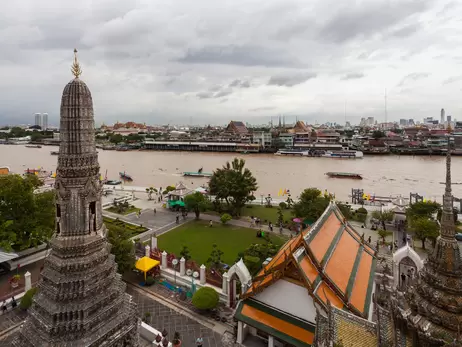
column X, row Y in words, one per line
column 168, row 318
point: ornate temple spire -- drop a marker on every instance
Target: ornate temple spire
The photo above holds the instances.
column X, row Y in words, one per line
column 81, row 299
column 448, row 229
column 76, row 70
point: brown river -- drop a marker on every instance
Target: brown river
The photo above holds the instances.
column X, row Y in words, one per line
column 383, row 175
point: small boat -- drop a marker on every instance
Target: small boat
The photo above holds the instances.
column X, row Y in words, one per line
column 113, row 182
column 354, row 176
column 33, row 146
column 199, row 173
column 125, row 177
column 292, row 152
column 54, row 152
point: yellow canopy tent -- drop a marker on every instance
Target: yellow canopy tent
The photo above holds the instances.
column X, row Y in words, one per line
column 145, row 264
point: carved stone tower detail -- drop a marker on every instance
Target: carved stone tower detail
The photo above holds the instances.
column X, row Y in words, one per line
column 81, row 299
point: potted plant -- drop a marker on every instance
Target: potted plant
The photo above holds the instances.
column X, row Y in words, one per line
column 158, row 339
column 176, row 339
column 14, row 281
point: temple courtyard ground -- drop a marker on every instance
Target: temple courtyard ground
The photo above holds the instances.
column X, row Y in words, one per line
column 199, row 237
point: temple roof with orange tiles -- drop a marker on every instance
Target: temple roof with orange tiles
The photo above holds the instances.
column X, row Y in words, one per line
column 329, row 263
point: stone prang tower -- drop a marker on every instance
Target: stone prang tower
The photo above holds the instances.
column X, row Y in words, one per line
column 81, row 299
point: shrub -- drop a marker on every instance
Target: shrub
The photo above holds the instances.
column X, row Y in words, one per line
column 252, row 263
column 150, row 281
column 205, row 298
column 361, row 210
column 26, row 300
column 282, row 205
column 225, row 218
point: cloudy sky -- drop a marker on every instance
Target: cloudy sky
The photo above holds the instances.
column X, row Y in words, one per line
column 208, row 61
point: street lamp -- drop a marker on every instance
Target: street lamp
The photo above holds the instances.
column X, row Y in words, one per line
column 261, row 196
column 193, row 275
column 175, row 263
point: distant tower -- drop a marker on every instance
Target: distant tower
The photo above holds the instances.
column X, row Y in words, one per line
column 38, row 119
column 442, row 116
column 284, row 121
column 44, row 121
column 280, row 122
column 81, row 299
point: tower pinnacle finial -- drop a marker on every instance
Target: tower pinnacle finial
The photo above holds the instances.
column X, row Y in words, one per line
column 76, row 70
column 448, row 169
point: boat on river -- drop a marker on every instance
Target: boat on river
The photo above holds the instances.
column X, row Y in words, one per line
column 33, row 146
column 351, row 175
column 113, row 182
column 125, row 176
column 295, row 152
column 54, row 152
column 342, row 154
column 198, row 173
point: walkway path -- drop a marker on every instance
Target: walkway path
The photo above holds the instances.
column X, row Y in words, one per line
column 164, row 315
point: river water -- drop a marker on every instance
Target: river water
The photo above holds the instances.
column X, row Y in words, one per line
column 383, row 175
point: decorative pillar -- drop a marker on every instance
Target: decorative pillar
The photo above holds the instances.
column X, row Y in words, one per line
column 202, row 275
column 163, row 263
column 240, row 336
column 182, row 266
column 243, row 288
column 148, row 251
column 28, row 281
column 224, row 286
column 153, row 242
column 270, row 341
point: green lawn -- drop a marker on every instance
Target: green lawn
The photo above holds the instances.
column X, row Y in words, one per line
column 113, row 224
column 266, row 213
column 199, row 238
column 129, row 210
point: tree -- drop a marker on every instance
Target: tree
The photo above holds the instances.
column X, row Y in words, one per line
column 289, row 202
column 122, row 248
column 383, row 216
column 280, row 216
column 27, row 299
column 185, row 253
column 225, row 218
column 116, row 138
column 256, row 254
column 311, row 204
column 345, row 209
column 206, row 298
column 424, row 228
column 150, row 191
column 214, row 260
column 383, row 234
column 196, row 202
column 234, row 184
column 423, row 209
column 26, row 219
column 377, row 134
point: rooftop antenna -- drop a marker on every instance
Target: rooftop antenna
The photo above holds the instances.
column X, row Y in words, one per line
column 344, row 111
column 386, row 111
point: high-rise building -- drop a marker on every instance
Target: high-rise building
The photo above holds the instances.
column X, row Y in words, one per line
column 442, row 115
column 81, row 299
column 38, row 119
column 449, row 119
column 44, row 121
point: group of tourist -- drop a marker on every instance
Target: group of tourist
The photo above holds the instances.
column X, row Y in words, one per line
column 5, row 306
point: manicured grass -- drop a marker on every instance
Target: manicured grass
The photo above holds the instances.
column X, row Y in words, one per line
column 129, row 210
column 112, row 224
column 199, row 238
column 269, row 214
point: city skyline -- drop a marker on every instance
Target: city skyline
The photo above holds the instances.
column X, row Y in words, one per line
column 211, row 62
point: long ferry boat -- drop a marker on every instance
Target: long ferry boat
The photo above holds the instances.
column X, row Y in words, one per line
column 295, row 152
column 343, row 154
column 351, row 175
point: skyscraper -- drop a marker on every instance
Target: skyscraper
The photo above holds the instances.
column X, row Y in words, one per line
column 442, row 116
column 44, row 121
column 81, row 299
column 38, row 119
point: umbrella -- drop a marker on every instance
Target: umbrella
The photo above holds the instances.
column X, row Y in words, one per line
column 297, row 220
column 145, row 264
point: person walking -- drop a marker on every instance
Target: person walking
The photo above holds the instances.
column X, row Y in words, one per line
column 4, row 307
column 270, row 226
column 369, row 240
column 211, row 223
column 13, row 302
column 177, row 218
column 280, row 228
column 155, row 211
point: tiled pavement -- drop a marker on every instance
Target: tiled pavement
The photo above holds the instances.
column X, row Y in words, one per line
column 165, row 317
